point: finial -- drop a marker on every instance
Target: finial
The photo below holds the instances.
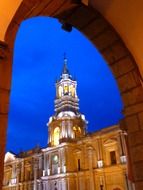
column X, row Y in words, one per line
column 65, row 59
column 64, row 55
column 65, row 68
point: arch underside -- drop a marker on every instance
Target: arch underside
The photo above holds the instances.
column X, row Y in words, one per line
column 88, row 21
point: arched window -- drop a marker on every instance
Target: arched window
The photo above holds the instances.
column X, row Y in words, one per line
column 77, row 131
column 56, row 135
column 60, row 91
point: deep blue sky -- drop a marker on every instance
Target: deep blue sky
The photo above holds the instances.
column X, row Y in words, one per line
column 38, row 60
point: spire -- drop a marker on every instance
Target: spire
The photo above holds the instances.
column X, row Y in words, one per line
column 65, row 68
column 65, row 72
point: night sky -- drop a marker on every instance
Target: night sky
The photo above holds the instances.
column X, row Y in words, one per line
column 38, row 61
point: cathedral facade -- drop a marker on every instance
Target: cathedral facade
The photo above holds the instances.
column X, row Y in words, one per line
column 74, row 159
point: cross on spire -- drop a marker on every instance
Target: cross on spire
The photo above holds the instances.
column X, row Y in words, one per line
column 65, row 68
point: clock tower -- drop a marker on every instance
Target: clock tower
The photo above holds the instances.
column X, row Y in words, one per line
column 67, row 124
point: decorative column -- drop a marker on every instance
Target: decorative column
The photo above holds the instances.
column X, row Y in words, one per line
column 101, row 183
column 91, row 174
column 63, row 129
column 99, row 154
column 35, row 173
column 45, row 165
column 69, row 128
column 63, row 161
column 122, row 147
column 13, row 171
column 48, row 165
column 22, row 171
column 40, row 166
column 17, row 177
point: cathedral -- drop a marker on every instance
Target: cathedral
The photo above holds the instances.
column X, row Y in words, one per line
column 73, row 159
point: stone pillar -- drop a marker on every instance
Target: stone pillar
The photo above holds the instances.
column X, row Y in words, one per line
column 17, row 177
column 5, row 78
column 98, row 150
column 13, row 170
column 62, row 160
column 99, row 153
column 49, row 165
column 69, row 131
column 91, row 174
column 22, row 171
column 35, row 173
column 129, row 81
column 122, row 146
column 40, row 166
column 63, row 129
column 45, row 165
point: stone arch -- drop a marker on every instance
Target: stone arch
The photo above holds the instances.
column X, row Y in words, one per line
column 87, row 20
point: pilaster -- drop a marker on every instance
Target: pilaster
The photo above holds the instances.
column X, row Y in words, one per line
column 5, row 78
column 91, row 174
column 35, row 173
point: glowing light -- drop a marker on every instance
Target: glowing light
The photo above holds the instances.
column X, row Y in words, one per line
column 64, row 169
column 48, row 171
column 56, row 135
column 9, row 157
column 100, row 163
column 66, row 89
column 123, row 159
column 55, row 158
column 60, row 91
column 58, row 170
column 44, row 172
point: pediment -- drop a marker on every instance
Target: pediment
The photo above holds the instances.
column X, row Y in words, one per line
column 9, row 157
column 110, row 141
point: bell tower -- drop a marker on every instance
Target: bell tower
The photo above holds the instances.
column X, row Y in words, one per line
column 67, row 124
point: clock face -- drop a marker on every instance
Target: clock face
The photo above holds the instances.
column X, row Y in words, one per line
column 55, row 159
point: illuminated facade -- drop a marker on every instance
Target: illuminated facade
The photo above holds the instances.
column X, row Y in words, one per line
column 73, row 158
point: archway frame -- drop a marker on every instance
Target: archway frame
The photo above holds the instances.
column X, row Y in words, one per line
column 88, row 21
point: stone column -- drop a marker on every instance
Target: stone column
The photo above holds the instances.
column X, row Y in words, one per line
column 35, row 173
column 63, row 160
column 122, row 147
column 48, row 162
column 99, row 153
column 13, row 171
column 91, row 174
column 63, row 129
column 45, row 165
column 22, row 171
column 40, row 166
column 68, row 129
column 44, row 185
column 17, row 177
